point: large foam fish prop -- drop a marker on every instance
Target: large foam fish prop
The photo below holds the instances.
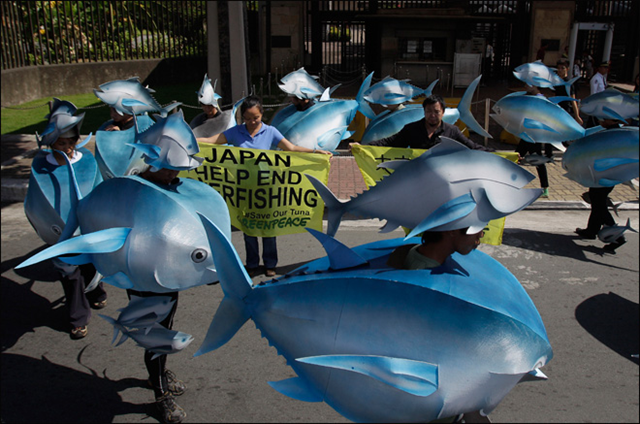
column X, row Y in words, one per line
column 603, row 159
column 391, row 91
column 379, row 344
column 115, row 156
column 611, row 234
column 538, row 120
column 389, row 123
column 610, row 104
column 207, row 94
column 124, row 219
column 539, row 75
column 300, row 84
column 323, row 125
column 160, row 340
column 448, row 187
column 219, row 124
column 130, row 97
column 169, row 143
column 61, row 119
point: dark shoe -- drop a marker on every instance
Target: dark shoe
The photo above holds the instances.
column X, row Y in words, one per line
column 176, row 387
column 252, row 271
column 583, row 233
column 99, row 305
column 170, row 411
column 79, row 332
column 270, row 273
column 611, row 247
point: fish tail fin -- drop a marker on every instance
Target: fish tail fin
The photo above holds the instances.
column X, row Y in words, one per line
column 464, row 107
column 116, row 327
column 335, row 207
column 236, row 285
column 628, row 226
column 363, row 106
column 427, row 92
column 568, row 84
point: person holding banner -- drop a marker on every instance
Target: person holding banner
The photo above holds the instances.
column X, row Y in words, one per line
column 426, row 133
column 255, row 134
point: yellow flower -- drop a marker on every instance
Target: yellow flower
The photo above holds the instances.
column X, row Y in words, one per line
column 41, row 30
column 52, row 4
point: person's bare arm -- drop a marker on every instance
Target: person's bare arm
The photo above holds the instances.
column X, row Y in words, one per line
column 214, row 139
column 285, row 144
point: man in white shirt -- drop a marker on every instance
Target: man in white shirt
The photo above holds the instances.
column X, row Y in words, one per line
column 598, row 82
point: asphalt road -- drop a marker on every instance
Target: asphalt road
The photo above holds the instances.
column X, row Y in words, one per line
column 588, row 300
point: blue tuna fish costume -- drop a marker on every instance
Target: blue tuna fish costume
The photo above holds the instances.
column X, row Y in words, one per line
column 379, row 344
column 48, row 204
column 114, row 155
column 324, row 124
column 142, row 236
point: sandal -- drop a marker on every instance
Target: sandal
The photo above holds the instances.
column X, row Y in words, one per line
column 99, row 305
column 79, row 332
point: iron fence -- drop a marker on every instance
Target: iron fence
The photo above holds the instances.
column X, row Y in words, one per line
column 60, row 32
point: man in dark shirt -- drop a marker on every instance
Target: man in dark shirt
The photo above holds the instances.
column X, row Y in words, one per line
column 426, row 133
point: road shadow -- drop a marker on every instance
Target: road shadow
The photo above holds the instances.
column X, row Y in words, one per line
column 613, row 320
column 22, row 309
column 559, row 245
column 40, row 391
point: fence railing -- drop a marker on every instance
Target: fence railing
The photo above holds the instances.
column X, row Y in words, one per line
column 59, row 32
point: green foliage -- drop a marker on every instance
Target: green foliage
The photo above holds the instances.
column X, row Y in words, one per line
column 53, row 32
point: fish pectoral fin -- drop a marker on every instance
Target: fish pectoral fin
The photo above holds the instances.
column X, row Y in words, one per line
column 148, row 149
column 331, row 137
column 510, row 201
column 297, row 388
column 103, row 241
column 540, row 80
column 612, row 114
column 452, row 210
column 120, row 280
column 414, row 377
column 537, row 125
column 394, row 96
column 526, row 137
column 340, row 256
column 388, row 227
column 129, row 103
column 76, row 260
column 608, row 163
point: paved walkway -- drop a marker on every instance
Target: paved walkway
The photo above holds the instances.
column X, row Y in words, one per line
column 345, row 179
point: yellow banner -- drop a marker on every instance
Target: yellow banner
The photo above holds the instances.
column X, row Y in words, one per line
column 369, row 157
column 266, row 190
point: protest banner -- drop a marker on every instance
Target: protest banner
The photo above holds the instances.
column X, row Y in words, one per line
column 266, row 190
column 369, row 157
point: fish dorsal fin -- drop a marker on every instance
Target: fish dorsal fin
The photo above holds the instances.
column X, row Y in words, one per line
column 415, row 377
column 297, row 388
column 451, row 211
column 340, row 256
column 446, row 146
column 427, row 91
column 103, row 241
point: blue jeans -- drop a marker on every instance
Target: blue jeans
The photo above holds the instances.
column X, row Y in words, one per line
column 269, row 252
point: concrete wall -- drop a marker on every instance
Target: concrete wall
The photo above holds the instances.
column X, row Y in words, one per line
column 34, row 82
column 286, row 21
column 550, row 20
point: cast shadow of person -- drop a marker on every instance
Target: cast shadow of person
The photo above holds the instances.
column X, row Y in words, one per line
column 38, row 391
column 612, row 320
column 557, row 245
column 24, row 310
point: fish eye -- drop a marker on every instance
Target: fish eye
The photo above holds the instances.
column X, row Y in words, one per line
column 56, row 230
column 198, row 255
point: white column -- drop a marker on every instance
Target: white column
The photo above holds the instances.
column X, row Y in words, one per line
column 572, row 48
column 238, row 52
column 213, row 42
column 608, row 41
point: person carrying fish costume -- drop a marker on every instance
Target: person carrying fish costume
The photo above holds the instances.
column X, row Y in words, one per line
column 427, row 132
column 618, row 141
column 165, row 161
column 255, row 134
column 212, row 120
column 47, row 205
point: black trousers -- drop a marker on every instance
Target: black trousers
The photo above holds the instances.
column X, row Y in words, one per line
column 599, row 211
column 525, row 147
column 156, row 368
column 74, row 280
